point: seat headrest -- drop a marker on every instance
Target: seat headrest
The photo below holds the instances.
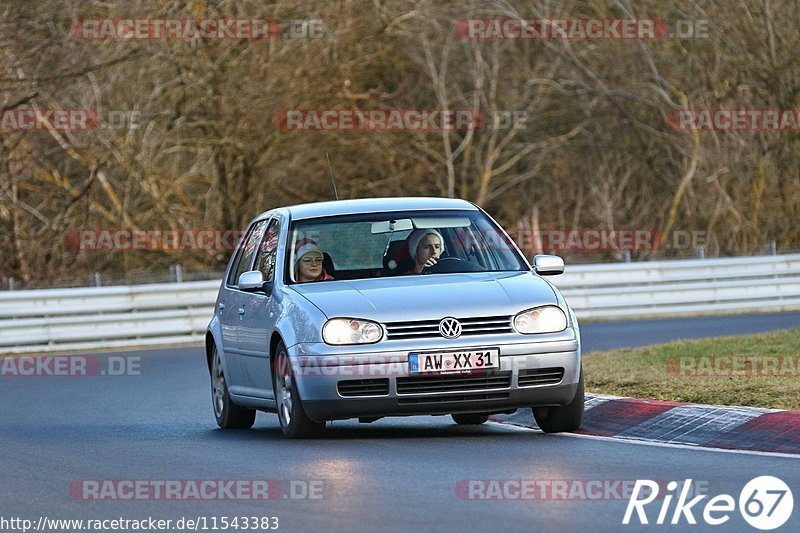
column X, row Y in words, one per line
column 397, row 258
column 327, row 263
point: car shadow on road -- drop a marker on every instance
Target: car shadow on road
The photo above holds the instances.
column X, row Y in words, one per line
column 386, row 429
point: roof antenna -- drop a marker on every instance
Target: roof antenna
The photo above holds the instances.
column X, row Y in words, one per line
column 333, row 178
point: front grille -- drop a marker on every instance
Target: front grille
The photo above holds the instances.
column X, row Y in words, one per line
column 540, row 376
column 454, row 398
column 420, row 329
column 364, row 387
column 422, row 385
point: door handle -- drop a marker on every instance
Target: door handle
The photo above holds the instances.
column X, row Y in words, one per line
column 241, row 310
column 221, row 305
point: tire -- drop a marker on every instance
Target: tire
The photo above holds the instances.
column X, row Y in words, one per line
column 469, row 419
column 295, row 423
column 559, row 419
column 228, row 414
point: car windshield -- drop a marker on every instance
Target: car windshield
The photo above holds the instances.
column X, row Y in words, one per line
column 397, row 243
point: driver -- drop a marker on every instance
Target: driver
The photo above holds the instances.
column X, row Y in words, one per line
column 426, row 247
column 308, row 262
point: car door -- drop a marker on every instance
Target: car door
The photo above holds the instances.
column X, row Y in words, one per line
column 230, row 306
column 260, row 314
column 229, row 323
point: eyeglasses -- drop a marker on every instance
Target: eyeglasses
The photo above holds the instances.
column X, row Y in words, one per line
column 312, row 260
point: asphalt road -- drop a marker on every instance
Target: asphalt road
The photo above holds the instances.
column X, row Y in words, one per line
column 607, row 335
column 392, row 475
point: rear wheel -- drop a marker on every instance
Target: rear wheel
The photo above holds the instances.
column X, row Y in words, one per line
column 468, row 419
column 295, row 423
column 228, row 414
column 566, row 418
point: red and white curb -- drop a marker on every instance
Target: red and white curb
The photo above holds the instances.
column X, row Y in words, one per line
column 708, row 426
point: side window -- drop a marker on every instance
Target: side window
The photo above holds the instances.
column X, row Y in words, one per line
column 246, row 251
column 493, row 248
column 268, row 251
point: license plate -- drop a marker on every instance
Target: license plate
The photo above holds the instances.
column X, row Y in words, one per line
column 465, row 362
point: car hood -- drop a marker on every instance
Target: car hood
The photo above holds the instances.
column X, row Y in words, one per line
column 430, row 297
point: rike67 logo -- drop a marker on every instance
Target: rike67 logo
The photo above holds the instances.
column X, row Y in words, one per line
column 765, row 503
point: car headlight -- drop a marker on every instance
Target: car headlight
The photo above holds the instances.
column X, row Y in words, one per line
column 548, row 319
column 351, row 331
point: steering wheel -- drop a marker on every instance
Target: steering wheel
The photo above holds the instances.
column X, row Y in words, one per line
column 446, row 265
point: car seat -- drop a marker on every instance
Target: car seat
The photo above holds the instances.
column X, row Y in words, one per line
column 397, row 259
column 327, row 264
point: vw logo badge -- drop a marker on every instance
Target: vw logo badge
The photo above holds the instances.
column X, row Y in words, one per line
column 450, row 328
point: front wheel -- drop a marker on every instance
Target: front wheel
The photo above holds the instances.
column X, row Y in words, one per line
column 566, row 418
column 228, row 414
column 295, row 423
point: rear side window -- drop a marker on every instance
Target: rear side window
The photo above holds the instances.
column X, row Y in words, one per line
column 246, row 251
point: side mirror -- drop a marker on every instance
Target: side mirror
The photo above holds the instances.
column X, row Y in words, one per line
column 252, row 281
column 548, row 265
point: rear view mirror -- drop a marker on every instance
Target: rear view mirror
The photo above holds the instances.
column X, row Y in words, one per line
column 251, row 281
column 548, row 265
column 388, row 226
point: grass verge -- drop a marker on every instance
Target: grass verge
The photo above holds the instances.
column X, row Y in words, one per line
column 760, row 370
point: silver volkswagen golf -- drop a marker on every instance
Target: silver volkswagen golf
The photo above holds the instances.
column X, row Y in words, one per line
column 390, row 307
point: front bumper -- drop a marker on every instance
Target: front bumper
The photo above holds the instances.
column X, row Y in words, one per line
column 317, row 378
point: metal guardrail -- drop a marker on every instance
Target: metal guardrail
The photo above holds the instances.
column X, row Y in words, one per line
column 685, row 287
column 87, row 318
column 50, row 320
